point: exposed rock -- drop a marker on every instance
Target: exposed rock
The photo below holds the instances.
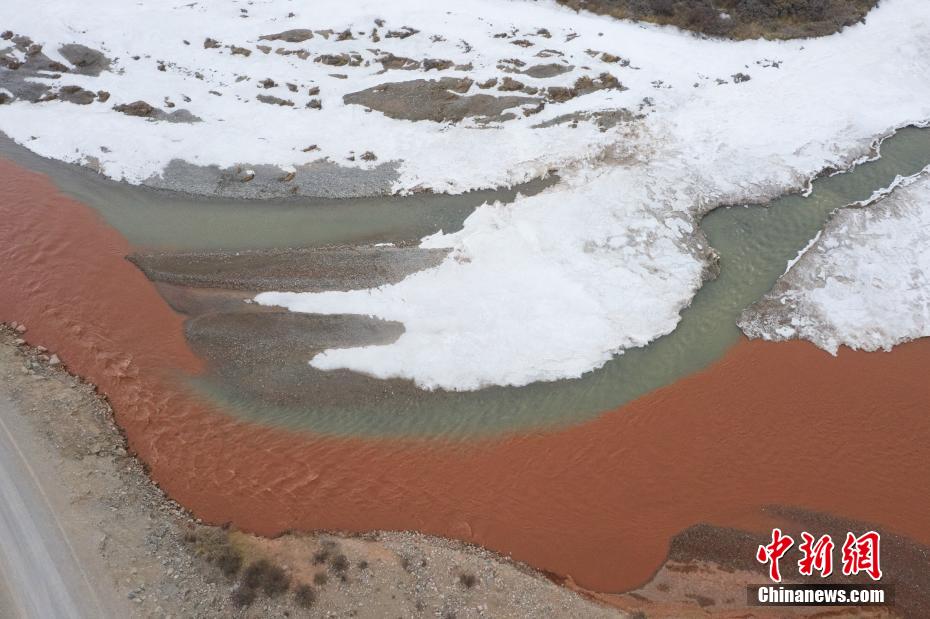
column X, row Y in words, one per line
column 491, row 83
column 508, row 84
column 605, row 57
column 76, row 94
column 179, row 116
column 436, row 63
column 604, row 119
column 145, row 110
column 85, row 60
column 542, row 71
column 240, row 51
column 559, row 94
column 340, row 60
column 583, row 85
column 137, row 108
column 296, row 35
column 511, row 65
column 275, row 100
column 531, row 111
column 319, row 178
column 403, row 33
column 438, row 101
column 209, row 43
column 315, row 104
column 390, row 61
column 267, row 83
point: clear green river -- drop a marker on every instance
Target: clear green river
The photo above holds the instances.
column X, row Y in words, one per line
column 754, row 243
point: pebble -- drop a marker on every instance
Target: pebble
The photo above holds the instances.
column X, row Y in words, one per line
column 19, row 341
column 54, row 360
column 20, row 328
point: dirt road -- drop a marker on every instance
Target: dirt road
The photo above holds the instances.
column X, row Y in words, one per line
column 40, row 573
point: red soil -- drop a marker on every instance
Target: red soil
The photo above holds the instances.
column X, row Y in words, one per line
column 768, row 424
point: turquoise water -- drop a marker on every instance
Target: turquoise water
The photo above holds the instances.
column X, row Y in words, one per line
column 754, row 244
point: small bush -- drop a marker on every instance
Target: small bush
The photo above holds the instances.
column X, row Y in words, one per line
column 320, row 579
column 243, row 596
column 339, row 564
column 229, row 561
column 320, row 556
column 468, row 580
column 254, row 574
column 276, row 581
column 305, row 596
column 261, row 574
column 214, row 546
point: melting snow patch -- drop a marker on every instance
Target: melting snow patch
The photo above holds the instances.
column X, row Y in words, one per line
column 550, row 286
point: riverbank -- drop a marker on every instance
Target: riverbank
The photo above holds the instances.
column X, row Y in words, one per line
column 148, row 557
column 664, row 463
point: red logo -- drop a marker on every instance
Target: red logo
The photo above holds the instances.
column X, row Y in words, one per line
column 773, row 552
column 817, row 555
column 860, row 554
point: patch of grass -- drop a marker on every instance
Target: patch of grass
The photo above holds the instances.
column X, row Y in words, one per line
column 468, row 580
column 305, row 596
column 738, row 19
column 320, row 556
column 243, row 596
column 264, row 575
column 339, row 564
column 214, row 546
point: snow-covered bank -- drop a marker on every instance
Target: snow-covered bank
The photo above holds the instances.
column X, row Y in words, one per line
column 649, row 127
column 864, row 283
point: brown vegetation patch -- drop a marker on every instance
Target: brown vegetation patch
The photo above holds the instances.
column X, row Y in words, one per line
column 436, row 100
column 738, row 19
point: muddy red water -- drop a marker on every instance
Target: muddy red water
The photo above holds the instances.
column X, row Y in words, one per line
column 768, row 424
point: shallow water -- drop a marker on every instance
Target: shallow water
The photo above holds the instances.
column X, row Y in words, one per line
column 163, row 220
column 754, row 244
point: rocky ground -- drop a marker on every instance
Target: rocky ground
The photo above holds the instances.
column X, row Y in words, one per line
column 163, row 563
